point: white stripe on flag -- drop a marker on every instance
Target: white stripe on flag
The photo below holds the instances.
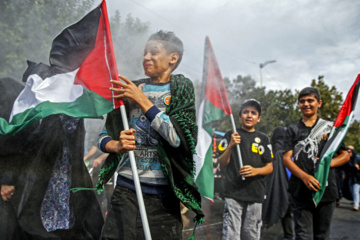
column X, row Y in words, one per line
column 58, row 88
column 204, row 142
column 341, row 135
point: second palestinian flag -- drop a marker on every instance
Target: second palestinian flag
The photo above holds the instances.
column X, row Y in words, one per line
column 214, row 105
column 336, row 137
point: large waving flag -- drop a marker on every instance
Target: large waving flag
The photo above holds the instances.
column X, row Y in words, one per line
column 337, row 135
column 214, row 105
column 76, row 83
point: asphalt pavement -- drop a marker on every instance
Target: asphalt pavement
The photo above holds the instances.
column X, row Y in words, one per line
column 345, row 223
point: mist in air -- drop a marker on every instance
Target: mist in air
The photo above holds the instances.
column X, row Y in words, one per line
column 311, row 42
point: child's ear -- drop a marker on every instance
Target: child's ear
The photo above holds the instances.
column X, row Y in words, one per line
column 320, row 103
column 174, row 57
column 259, row 118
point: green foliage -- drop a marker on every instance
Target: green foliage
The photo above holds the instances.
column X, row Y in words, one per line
column 278, row 107
column 27, row 28
column 331, row 98
column 352, row 136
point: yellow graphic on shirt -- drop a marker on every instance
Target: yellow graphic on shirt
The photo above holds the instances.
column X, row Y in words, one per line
column 256, row 148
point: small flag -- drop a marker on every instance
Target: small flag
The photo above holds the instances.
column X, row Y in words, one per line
column 214, row 105
column 336, row 137
column 76, row 83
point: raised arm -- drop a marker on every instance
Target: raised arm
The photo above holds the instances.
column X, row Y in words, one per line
column 131, row 92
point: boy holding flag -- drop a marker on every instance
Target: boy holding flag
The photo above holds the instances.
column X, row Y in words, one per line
column 244, row 197
column 162, row 134
column 303, row 142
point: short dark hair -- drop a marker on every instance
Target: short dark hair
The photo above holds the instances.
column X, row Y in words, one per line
column 309, row 91
column 170, row 42
column 251, row 102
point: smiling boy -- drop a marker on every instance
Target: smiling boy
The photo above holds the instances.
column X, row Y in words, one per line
column 303, row 142
column 243, row 198
column 162, row 134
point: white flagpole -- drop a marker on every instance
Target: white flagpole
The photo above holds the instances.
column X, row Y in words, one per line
column 139, row 195
column 237, row 145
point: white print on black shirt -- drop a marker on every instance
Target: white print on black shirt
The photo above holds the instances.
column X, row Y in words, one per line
column 310, row 145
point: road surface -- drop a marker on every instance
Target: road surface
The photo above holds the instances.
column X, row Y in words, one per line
column 345, row 223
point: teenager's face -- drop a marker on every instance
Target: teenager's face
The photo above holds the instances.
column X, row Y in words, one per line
column 249, row 118
column 156, row 60
column 309, row 105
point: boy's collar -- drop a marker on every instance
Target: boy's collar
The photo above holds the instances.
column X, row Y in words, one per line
column 309, row 122
column 252, row 130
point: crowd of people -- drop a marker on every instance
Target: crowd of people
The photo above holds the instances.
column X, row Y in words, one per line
column 37, row 202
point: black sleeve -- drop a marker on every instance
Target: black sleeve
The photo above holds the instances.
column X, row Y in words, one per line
column 226, row 139
column 268, row 156
column 13, row 155
column 289, row 143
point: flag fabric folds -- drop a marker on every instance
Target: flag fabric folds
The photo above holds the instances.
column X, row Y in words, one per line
column 214, row 105
column 336, row 137
column 76, row 83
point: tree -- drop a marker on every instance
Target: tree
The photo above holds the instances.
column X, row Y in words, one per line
column 331, row 98
column 279, row 108
column 352, row 136
column 27, row 28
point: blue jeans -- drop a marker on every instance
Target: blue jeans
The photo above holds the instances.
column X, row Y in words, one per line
column 355, row 188
column 312, row 223
column 242, row 220
column 124, row 221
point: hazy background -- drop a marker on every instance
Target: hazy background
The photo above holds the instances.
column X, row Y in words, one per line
column 306, row 38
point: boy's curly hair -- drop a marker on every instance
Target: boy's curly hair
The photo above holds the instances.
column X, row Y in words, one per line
column 170, row 42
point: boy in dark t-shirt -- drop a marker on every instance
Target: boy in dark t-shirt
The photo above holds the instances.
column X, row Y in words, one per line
column 303, row 142
column 243, row 198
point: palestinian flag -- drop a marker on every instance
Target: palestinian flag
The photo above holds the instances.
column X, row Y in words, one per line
column 76, row 83
column 214, row 105
column 336, row 137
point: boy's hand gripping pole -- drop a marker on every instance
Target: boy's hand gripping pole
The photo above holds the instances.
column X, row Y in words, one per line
column 237, row 145
column 139, row 195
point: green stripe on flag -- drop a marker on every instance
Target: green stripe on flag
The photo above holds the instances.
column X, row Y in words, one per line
column 88, row 105
column 205, row 180
column 322, row 173
column 211, row 113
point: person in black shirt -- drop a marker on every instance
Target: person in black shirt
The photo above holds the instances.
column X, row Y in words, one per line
column 354, row 176
column 303, row 143
column 243, row 198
